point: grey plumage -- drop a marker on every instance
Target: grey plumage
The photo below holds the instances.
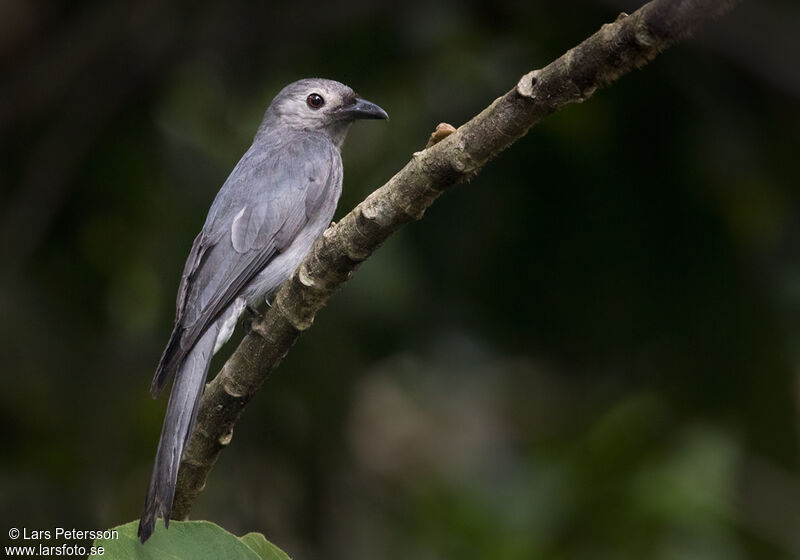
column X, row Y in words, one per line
column 277, row 200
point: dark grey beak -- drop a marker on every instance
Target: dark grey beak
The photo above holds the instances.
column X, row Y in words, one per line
column 363, row 109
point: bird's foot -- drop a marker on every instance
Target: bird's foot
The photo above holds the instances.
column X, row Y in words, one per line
column 251, row 316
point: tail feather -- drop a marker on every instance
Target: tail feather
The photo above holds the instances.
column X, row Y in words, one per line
column 171, row 358
column 178, row 424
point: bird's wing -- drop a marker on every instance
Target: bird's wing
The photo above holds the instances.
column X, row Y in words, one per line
column 266, row 202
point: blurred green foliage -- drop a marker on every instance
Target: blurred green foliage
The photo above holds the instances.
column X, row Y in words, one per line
column 588, row 351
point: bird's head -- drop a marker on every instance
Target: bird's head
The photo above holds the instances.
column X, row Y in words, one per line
column 321, row 105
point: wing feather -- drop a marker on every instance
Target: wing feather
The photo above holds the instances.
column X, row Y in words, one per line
column 266, row 202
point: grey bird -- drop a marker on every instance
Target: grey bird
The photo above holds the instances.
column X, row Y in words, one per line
column 277, row 200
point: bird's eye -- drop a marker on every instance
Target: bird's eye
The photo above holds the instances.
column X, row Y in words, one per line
column 315, row 101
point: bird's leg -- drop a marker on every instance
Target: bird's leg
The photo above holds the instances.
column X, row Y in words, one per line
column 251, row 315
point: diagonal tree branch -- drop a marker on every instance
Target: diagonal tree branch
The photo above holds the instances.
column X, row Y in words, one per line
column 617, row 48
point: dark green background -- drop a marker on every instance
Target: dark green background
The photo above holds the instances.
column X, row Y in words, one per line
column 589, row 351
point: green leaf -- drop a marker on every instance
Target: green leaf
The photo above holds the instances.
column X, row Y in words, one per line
column 189, row 540
column 265, row 549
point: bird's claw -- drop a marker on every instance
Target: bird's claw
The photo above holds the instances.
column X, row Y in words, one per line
column 251, row 315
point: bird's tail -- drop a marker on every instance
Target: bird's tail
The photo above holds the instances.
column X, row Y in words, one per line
column 178, row 425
